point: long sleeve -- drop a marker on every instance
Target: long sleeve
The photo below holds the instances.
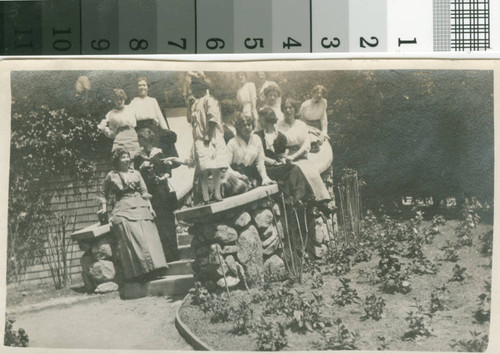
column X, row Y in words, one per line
column 324, row 119
column 159, row 116
column 143, row 189
column 260, row 159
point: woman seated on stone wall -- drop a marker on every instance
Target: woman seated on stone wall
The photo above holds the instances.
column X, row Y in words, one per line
column 289, row 177
column 247, row 159
column 139, row 245
column 298, row 144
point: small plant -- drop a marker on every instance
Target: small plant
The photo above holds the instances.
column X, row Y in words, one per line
column 419, row 323
column 13, row 338
column 395, row 282
column 414, row 249
column 345, row 294
column 279, row 301
column 242, row 317
column 362, row 253
column 487, row 243
column 270, row 336
column 388, row 258
column 219, row 308
column 199, row 294
column 464, row 234
column 422, row 266
column 338, row 261
column 341, row 339
column 478, row 343
column 306, row 314
column 384, row 345
column 438, row 298
column 458, row 273
column 374, row 307
column 317, row 277
column 450, row 252
column 483, row 313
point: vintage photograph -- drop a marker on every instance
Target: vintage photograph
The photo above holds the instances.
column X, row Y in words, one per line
column 249, row 206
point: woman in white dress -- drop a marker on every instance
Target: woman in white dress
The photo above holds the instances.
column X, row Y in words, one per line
column 247, row 96
column 298, row 144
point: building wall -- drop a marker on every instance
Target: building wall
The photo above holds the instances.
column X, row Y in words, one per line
column 73, row 199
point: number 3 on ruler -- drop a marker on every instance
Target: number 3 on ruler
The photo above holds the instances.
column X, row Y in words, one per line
column 363, row 41
column 335, row 42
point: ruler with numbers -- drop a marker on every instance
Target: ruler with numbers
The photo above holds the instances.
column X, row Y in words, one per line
column 103, row 27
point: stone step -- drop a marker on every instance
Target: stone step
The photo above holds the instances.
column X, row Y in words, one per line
column 184, row 239
column 173, row 285
column 185, row 252
column 182, row 267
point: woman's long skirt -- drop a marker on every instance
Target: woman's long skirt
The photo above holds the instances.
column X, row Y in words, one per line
column 139, row 246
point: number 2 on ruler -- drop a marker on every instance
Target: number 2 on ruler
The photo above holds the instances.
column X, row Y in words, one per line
column 363, row 42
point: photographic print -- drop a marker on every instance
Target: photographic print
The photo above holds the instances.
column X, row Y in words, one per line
column 249, row 206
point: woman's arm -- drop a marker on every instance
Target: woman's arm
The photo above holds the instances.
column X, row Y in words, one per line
column 159, row 116
column 304, row 148
column 104, row 127
column 260, row 164
column 324, row 120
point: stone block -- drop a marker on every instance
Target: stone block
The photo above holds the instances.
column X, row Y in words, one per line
column 225, row 234
column 271, row 231
column 87, row 260
column 275, row 266
column 243, row 220
column 106, row 288
column 271, row 247
column 102, row 271
column 276, row 209
column 250, row 255
column 229, row 280
column 263, row 218
column 232, row 265
column 101, row 249
column 229, row 249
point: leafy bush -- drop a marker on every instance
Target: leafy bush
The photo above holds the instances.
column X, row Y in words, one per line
column 419, row 323
column 13, row 338
column 483, row 312
column 345, row 294
column 363, row 253
column 438, row 298
column 478, row 343
column 374, row 307
column 242, row 317
column 450, row 252
column 337, row 261
column 422, row 266
column 306, row 314
column 219, row 308
column 487, row 243
column 199, row 295
column 458, row 273
column 395, row 282
column 340, row 339
column 316, row 277
column 270, row 336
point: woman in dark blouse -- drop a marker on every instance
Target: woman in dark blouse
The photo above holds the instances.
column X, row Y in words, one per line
column 289, row 177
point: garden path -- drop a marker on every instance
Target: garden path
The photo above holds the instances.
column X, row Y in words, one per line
column 107, row 323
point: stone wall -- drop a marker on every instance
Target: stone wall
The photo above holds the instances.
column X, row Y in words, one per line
column 239, row 246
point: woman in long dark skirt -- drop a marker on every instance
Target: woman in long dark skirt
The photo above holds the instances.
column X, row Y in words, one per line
column 139, row 245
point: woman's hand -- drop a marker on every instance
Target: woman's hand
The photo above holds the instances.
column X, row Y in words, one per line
column 290, row 158
column 267, row 181
column 172, row 160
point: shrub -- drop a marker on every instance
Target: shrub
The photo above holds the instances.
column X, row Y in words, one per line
column 374, row 307
column 478, row 343
column 395, row 282
column 345, row 294
column 13, row 338
column 338, row 261
column 487, row 243
column 306, row 314
column 422, row 266
column 450, row 252
column 419, row 323
column 242, row 317
column 199, row 295
column 340, row 339
column 483, row 312
column 219, row 309
column 458, row 273
column 438, row 298
column 270, row 335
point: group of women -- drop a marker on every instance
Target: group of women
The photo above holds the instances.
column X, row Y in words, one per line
column 259, row 139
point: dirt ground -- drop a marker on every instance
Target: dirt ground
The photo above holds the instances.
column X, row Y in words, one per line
column 106, row 322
